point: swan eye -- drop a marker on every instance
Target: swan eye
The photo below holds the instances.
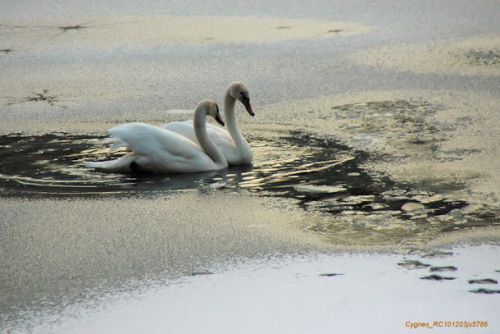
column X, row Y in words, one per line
column 245, row 99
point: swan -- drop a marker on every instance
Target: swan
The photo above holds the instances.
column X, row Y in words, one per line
column 232, row 144
column 158, row 150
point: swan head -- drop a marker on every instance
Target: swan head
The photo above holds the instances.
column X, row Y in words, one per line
column 211, row 109
column 239, row 91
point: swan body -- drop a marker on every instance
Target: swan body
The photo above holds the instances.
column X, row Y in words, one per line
column 232, row 144
column 158, row 150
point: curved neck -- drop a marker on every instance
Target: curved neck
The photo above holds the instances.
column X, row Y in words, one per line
column 232, row 122
column 200, row 129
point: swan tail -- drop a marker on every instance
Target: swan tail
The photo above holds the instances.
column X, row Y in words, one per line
column 115, row 143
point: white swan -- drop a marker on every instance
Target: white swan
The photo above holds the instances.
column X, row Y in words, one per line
column 232, row 144
column 157, row 150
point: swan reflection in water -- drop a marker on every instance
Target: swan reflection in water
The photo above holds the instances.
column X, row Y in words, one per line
column 54, row 166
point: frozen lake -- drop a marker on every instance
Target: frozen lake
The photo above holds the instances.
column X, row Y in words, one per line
column 375, row 142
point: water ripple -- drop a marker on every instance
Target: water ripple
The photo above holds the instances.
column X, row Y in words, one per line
column 321, row 174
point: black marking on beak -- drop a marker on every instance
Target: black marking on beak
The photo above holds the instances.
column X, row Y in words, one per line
column 217, row 117
column 246, row 102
